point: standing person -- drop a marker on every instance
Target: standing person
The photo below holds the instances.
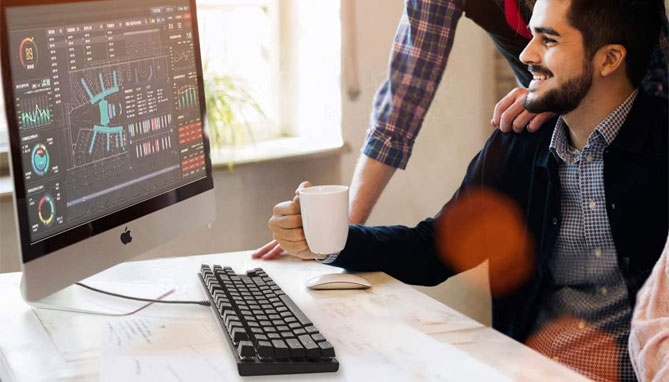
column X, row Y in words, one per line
column 418, row 60
column 649, row 337
column 590, row 189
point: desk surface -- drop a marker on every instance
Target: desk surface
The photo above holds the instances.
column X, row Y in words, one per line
column 390, row 332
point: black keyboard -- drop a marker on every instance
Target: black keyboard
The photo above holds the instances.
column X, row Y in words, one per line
column 268, row 333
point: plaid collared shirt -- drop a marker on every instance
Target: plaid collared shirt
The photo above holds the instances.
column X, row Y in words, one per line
column 584, row 319
column 422, row 44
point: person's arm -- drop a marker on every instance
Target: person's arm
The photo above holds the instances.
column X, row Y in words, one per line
column 369, row 180
column 405, row 253
column 421, row 47
column 649, row 336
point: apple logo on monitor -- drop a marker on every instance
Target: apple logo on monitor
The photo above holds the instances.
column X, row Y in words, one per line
column 125, row 236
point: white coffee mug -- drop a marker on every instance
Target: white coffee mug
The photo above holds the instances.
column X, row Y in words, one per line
column 325, row 217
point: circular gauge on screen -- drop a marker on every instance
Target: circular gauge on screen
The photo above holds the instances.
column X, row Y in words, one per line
column 46, row 209
column 40, row 159
column 28, row 54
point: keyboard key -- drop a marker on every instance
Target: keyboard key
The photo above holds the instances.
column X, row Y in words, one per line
column 318, row 337
column 224, row 307
column 261, row 337
column 312, row 350
column 296, row 349
column 280, row 349
column 265, row 350
column 301, row 317
column 238, row 334
column 327, row 351
column 246, row 350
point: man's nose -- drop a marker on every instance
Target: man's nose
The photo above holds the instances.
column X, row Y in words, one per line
column 529, row 55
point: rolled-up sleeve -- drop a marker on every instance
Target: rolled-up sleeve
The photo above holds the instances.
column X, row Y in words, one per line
column 423, row 42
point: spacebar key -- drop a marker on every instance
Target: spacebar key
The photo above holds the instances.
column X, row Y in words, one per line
column 301, row 317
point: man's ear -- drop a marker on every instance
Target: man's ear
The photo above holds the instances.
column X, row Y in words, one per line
column 610, row 58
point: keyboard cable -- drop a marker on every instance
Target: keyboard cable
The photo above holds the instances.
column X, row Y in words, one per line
column 203, row 303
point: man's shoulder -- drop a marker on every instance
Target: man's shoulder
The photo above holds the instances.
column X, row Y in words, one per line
column 525, row 142
column 647, row 124
column 650, row 116
column 652, row 106
column 511, row 157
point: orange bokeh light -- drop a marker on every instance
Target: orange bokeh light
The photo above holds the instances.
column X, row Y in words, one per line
column 483, row 224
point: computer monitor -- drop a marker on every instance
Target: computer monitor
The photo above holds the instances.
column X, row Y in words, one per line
column 105, row 112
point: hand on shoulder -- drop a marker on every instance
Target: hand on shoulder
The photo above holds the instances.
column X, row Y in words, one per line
column 509, row 113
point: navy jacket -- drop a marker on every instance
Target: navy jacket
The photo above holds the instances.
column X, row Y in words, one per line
column 522, row 167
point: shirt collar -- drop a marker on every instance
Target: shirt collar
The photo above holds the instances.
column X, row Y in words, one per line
column 607, row 129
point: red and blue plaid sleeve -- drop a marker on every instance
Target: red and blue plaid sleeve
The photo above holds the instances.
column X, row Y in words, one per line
column 423, row 41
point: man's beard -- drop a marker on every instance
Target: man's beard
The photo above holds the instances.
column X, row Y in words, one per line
column 564, row 99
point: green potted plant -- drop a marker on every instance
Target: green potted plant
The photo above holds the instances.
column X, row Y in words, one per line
column 229, row 103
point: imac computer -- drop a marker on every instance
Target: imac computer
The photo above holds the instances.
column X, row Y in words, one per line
column 108, row 152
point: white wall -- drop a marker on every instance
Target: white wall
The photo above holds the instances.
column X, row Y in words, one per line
column 454, row 130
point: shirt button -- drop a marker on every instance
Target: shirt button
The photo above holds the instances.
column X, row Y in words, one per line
column 590, row 158
column 555, row 221
column 604, row 291
column 592, row 205
column 598, row 253
column 556, row 358
column 581, row 325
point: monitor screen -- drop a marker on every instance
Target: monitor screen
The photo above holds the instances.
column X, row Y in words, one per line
column 105, row 115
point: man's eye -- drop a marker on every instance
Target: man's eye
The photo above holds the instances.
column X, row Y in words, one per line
column 548, row 41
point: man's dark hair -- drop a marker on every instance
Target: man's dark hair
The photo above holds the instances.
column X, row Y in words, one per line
column 634, row 24
column 530, row 3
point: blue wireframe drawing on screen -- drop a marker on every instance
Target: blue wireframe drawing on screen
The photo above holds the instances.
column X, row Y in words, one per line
column 107, row 111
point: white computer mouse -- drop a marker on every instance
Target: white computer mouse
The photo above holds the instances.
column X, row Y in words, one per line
column 338, row 281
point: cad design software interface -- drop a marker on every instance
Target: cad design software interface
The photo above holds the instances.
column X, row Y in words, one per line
column 107, row 106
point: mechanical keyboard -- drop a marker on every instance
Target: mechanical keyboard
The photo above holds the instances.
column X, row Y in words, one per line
column 268, row 333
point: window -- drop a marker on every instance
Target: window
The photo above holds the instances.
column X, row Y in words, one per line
column 315, row 37
column 288, row 54
column 238, row 42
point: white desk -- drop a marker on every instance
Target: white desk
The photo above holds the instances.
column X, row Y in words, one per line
column 388, row 332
